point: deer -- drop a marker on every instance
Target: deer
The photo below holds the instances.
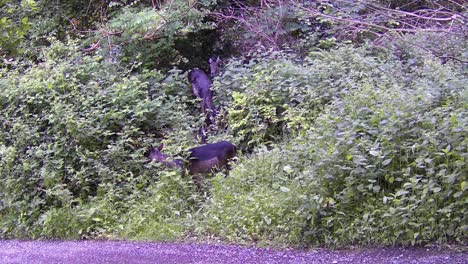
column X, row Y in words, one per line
column 202, row 159
column 201, row 88
column 201, row 85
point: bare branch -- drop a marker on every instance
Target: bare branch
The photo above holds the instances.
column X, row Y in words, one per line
column 428, row 20
column 251, row 24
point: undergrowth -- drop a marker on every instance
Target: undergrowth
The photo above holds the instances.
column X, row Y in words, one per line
column 346, row 146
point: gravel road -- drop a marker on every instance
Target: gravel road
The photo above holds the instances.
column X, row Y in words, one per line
column 13, row 251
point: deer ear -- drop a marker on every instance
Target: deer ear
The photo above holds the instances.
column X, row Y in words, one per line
column 160, row 147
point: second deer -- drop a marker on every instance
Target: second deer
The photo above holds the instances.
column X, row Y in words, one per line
column 202, row 159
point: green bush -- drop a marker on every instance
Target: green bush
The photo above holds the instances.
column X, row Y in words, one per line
column 164, row 212
column 14, row 24
column 140, row 34
column 282, row 95
column 384, row 162
column 348, row 145
column 73, row 131
column 258, row 202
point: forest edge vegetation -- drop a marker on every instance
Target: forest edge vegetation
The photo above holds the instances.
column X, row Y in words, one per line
column 350, row 120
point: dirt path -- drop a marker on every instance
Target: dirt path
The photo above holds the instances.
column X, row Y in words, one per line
column 12, row 251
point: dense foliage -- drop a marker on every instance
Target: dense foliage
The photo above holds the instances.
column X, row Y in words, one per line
column 72, row 131
column 14, row 24
column 344, row 140
column 383, row 161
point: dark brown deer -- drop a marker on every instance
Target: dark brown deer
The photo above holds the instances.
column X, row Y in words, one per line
column 201, row 85
column 202, row 159
column 201, row 88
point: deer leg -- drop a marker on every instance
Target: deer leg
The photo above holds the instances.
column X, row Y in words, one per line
column 197, row 180
column 202, row 137
column 202, row 105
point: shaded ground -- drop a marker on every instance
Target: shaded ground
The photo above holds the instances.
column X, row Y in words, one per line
column 12, row 251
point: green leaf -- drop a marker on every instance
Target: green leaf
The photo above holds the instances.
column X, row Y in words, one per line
column 386, row 162
column 401, row 193
column 288, row 169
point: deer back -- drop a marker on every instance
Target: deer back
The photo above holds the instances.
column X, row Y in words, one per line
column 201, row 88
column 211, row 157
column 201, row 159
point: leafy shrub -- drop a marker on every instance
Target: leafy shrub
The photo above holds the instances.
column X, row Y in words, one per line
column 362, row 145
column 142, row 34
column 164, row 211
column 382, row 163
column 278, row 96
column 414, row 48
column 72, row 137
column 14, row 24
column 258, row 202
